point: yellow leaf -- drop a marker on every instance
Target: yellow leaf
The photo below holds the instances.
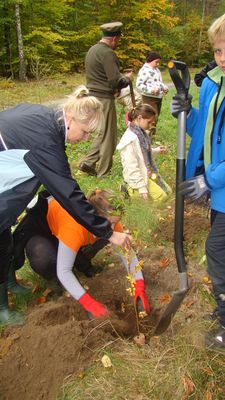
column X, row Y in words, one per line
column 206, row 279
column 107, row 363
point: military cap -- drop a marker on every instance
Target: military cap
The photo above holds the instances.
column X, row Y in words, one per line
column 111, row 29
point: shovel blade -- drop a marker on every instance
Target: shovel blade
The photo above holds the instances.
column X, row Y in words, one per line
column 170, row 311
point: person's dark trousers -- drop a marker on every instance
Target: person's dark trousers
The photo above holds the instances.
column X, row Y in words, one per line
column 215, row 252
column 6, row 249
column 42, row 255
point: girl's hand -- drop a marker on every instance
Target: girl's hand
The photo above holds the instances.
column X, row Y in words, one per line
column 163, row 149
column 121, row 239
column 144, row 196
column 159, row 149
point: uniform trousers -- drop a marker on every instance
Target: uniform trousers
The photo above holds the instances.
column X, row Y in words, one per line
column 104, row 145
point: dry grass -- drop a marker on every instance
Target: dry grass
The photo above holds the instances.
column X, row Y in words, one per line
column 174, row 366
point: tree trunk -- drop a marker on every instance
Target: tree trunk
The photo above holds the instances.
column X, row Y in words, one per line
column 22, row 66
column 201, row 28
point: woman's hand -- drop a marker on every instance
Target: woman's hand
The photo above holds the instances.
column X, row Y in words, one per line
column 121, row 239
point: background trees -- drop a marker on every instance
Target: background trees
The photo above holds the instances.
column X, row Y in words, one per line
column 43, row 37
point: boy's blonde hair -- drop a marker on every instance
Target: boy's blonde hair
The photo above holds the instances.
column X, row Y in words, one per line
column 217, row 30
column 106, row 203
column 84, row 108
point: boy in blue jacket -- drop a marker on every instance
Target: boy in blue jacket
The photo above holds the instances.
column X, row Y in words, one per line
column 205, row 169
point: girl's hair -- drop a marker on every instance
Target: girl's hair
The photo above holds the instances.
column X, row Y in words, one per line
column 145, row 110
column 217, row 30
column 84, row 108
column 106, row 203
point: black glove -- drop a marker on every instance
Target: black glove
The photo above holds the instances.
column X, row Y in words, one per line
column 194, row 188
column 179, row 104
column 123, row 82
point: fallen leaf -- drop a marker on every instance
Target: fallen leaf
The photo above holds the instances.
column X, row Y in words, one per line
column 5, row 345
column 36, row 288
column 156, row 339
column 164, row 262
column 123, row 308
column 206, row 289
column 189, row 303
column 208, row 395
column 140, row 339
column 41, row 300
column 207, row 371
column 107, row 363
column 165, row 299
column 142, row 314
column 46, row 292
column 207, row 280
column 188, row 385
column 81, row 375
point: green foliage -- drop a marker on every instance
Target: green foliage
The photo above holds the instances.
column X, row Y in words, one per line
column 58, row 34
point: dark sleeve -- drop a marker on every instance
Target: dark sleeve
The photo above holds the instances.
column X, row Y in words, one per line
column 51, row 167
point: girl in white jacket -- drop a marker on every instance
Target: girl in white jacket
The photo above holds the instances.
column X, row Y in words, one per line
column 139, row 170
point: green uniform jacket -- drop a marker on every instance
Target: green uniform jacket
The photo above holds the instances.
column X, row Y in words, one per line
column 102, row 71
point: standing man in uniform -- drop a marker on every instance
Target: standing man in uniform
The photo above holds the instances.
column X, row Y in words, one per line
column 103, row 81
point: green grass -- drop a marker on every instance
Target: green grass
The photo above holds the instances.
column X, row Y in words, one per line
column 15, row 92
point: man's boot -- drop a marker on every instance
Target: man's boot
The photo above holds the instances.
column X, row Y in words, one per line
column 12, row 285
column 7, row 316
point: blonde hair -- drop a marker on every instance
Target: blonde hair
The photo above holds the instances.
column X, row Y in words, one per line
column 106, row 203
column 145, row 110
column 217, row 30
column 84, row 108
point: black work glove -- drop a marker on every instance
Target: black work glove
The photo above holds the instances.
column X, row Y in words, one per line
column 123, row 82
column 179, row 104
column 194, row 188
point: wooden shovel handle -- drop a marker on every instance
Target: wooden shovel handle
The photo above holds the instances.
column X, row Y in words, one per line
column 132, row 94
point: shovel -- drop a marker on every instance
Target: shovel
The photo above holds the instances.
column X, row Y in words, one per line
column 132, row 94
column 181, row 81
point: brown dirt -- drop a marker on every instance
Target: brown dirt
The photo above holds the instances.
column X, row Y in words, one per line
column 58, row 340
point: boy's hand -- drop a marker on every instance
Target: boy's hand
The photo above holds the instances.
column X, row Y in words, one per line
column 179, row 104
column 194, row 188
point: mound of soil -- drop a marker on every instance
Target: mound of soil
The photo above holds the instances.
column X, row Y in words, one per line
column 58, row 340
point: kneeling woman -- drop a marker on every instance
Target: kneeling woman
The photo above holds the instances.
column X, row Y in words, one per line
column 54, row 253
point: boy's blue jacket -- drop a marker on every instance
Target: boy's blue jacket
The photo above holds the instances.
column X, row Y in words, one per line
column 196, row 124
